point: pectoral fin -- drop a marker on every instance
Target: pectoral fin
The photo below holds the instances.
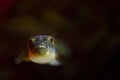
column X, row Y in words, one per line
column 54, row 63
column 22, row 57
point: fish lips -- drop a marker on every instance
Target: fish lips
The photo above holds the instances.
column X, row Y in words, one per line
column 40, row 48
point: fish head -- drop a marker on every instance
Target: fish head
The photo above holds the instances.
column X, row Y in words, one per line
column 41, row 44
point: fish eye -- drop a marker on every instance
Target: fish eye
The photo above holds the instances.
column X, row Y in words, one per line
column 52, row 40
column 34, row 39
column 44, row 39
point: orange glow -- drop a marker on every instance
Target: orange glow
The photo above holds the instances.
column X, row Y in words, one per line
column 31, row 53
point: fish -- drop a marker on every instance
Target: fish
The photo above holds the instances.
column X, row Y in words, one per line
column 44, row 49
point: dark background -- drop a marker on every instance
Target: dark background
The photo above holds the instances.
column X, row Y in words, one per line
column 90, row 28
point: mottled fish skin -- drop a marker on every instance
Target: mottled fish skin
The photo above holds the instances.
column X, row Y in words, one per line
column 43, row 41
column 44, row 49
column 41, row 50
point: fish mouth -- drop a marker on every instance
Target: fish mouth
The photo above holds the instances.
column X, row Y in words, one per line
column 41, row 46
column 41, row 49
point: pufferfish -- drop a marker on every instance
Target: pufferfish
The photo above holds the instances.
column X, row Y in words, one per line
column 43, row 49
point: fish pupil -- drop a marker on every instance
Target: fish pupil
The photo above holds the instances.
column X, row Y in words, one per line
column 44, row 39
column 51, row 40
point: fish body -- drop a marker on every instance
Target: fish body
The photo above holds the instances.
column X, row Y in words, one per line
column 42, row 49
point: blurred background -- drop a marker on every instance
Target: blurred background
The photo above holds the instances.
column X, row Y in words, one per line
column 90, row 28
